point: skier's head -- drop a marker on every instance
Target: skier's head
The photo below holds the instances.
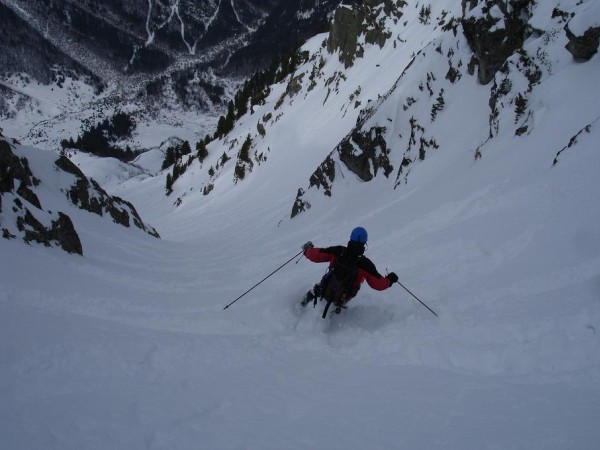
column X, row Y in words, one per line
column 359, row 234
column 358, row 241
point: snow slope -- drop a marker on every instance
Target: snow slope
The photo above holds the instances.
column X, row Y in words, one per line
column 129, row 347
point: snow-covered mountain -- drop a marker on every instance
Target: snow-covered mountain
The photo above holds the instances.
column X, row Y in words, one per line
column 461, row 135
column 66, row 64
column 115, row 38
column 395, row 86
column 35, row 183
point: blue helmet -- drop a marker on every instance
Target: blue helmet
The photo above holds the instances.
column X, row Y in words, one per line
column 359, row 234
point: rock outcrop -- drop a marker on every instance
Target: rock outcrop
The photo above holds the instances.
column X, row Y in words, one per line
column 24, row 215
column 350, row 24
column 496, row 34
column 365, row 153
column 585, row 46
column 15, row 171
column 89, row 195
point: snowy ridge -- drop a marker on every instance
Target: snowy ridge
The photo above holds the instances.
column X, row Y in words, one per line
column 495, row 228
column 40, row 194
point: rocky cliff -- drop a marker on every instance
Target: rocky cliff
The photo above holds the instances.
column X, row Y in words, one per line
column 29, row 198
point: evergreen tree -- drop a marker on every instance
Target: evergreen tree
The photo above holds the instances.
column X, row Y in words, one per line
column 520, row 106
column 220, row 128
column 243, row 160
column 97, row 139
column 241, row 103
column 201, row 151
column 239, row 172
column 224, row 159
column 185, row 148
column 121, row 125
column 169, row 158
column 230, row 118
column 244, row 154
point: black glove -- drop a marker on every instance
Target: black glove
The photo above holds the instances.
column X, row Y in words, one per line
column 392, row 277
column 307, row 246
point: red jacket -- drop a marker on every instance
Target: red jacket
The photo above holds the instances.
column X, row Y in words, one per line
column 366, row 268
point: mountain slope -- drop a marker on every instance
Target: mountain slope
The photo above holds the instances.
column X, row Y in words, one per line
column 129, row 347
column 67, row 65
column 36, row 183
column 114, row 38
column 404, row 93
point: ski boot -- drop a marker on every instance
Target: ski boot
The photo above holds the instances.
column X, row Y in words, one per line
column 338, row 308
column 341, row 304
column 312, row 296
column 308, row 297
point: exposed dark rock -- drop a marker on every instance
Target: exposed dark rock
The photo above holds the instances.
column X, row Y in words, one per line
column 28, row 195
column 453, row 74
column 67, row 165
column 344, row 33
column 293, row 87
column 86, row 194
column 521, row 130
column 64, row 233
column 376, row 32
column 564, row 16
column 364, row 153
column 261, row 129
column 573, row 141
column 36, row 231
column 324, row 176
column 12, row 168
column 300, row 205
column 583, row 47
column 79, row 194
column 89, row 195
column 468, row 5
column 363, row 18
column 493, row 45
column 120, row 216
column 419, row 143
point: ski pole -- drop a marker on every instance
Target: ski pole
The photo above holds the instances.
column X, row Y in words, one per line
column 287, row 262
column 417, row 299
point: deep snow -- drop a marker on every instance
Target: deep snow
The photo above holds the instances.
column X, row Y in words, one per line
column 129, row 346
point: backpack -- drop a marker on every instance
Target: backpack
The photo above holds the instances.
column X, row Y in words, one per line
column 337, row 285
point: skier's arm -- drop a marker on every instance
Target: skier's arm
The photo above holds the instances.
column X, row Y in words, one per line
column 315, row 254
column 374, row 279
column 377, row 282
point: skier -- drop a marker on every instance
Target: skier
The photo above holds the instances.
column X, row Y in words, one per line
column 348, row 269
